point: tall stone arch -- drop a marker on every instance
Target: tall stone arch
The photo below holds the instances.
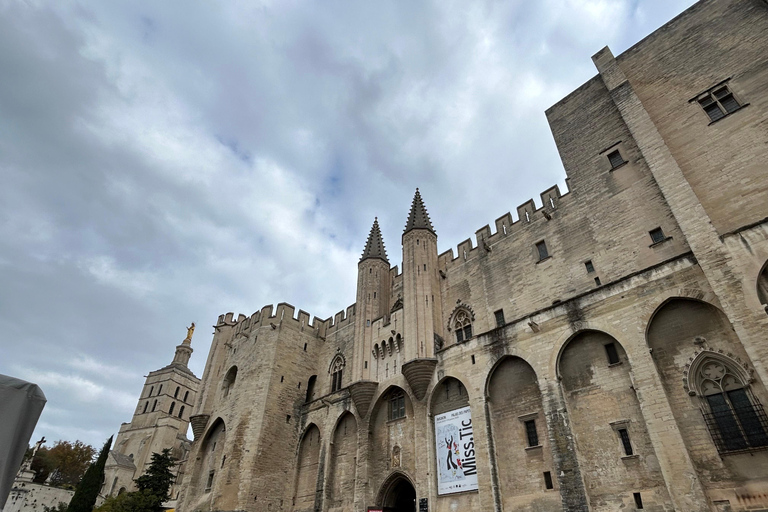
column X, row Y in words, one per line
column 342, row 469
column 518, row 425
column 307, row 469
column 616, row 456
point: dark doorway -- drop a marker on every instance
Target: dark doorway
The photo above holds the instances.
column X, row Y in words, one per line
column 399, row 495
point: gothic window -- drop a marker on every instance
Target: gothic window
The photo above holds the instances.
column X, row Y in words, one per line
column 462, row 325
column 735, row 418
column 396, row 405
column 337, row 367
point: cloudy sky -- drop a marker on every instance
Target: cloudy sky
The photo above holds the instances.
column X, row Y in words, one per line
column 166, row 162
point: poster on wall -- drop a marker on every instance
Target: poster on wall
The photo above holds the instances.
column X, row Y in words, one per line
column 456, row 465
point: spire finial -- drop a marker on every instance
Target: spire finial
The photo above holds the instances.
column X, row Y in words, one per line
column 418, row 218
column 374, row 247
column 190, row 331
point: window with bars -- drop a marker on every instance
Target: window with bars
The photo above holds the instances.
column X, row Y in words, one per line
column 736, row 420
column 718, row 103
column 615, row 158
column 530, row 432
column 499, row 318
column 396, row 405
column 657, row 235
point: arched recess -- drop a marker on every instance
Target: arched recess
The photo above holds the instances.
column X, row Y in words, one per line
column 608, row 425
column 454, row 445
column 762, row 285
column 307, row 468
column 341, row 477
column 685, row 337
column 520, row 437
column 311, row 388
column 391, row 425
column 229, row 381
column 211, row 455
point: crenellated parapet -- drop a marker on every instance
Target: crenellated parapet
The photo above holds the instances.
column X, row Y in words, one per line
column 527, row 215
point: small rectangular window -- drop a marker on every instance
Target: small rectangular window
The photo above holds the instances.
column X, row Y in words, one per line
column 638, row 501
column 548, row 480
column 590, row 266
column 499, row 318
column 597, row 281
column 531, row 433
column 616, row 159
column 624, row 435
column 718, row 103
column 657, row 235
column 612, row 353
column 541, row 247
column 209, row 483
column 473, row 359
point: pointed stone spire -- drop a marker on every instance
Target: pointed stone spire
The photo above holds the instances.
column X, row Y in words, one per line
column 374, row 247
column 418, row 218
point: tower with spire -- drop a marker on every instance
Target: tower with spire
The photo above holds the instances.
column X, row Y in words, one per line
column 160, row 421
column 373, row 293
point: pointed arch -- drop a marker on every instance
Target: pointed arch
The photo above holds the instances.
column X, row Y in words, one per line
column 518, row 429
column 342, row 467
column 398, row 484
column 229, row 381
column 307, row 467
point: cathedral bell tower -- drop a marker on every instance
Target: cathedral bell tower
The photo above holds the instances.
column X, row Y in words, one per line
column 373, row 288
column 421, row 297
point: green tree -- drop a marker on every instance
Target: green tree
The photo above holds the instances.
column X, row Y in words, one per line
column 62, row 507
column 158, row 479
column 154, row 487
column 88, row 489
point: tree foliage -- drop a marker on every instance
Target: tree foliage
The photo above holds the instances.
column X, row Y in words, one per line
column 65, row 462
column 88, row 489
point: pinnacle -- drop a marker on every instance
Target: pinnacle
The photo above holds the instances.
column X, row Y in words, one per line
column 418, row 218
column 374, row 247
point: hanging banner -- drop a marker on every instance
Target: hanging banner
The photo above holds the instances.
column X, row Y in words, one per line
column 456, row 465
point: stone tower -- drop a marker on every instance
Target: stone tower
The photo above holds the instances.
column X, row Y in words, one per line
column 160, row 421
column 373, row 290
column 421, row 295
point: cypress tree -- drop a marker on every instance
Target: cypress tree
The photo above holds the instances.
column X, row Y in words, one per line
column 88, row 489
column 157, row 481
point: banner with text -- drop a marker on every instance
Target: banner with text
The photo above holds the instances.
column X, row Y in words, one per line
column 456, row 466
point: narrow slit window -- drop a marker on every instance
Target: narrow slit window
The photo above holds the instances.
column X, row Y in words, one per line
column 541, row 247
column 597, row 281
column 209, row 483
column 181, row 412
column 624, row 435
column 173, row 406
column 612, row 353
column 531, row 433
column 473, row 359
column 638, row 501
column 548, row 480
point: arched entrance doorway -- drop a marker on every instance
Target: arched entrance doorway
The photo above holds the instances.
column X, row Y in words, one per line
column 397, row 494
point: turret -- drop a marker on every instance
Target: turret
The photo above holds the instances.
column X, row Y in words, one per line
column 421, row 297
column 373, row 289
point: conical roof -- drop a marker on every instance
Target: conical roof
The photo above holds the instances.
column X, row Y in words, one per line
column 418, row 218
column 374, row 247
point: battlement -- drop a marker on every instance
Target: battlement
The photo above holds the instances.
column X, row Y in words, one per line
column 284, row 314
column 527, row 213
